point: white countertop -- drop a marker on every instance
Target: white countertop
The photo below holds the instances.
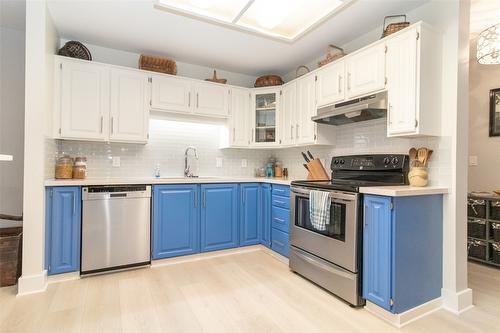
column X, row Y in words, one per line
column 165, row 180
column 5, row 157
column 403, row 191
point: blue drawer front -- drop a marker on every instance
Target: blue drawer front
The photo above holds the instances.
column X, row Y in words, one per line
column 279, row 201
column 281, row 190
column 281, row 219
column 279, row 242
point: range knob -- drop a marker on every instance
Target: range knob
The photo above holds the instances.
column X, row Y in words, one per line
column 395, row 160
column 336, row 162
column 342, row 162
column 387, row 160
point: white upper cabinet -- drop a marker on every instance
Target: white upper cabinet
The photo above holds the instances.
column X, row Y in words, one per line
column 288, row 113
column 365, row 71
column 171, row 94
column 129, row 116
column 414, row 82
column 330, row 84
column 211, row 100
column 306, row 108
column 239, row 123
column 82, row 94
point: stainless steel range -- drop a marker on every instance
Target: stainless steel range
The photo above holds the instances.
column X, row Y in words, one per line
column 331, row 257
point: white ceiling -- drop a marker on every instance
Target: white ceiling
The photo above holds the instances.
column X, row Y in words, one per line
column 137, row 26
column 13, row 14
column 483, row 14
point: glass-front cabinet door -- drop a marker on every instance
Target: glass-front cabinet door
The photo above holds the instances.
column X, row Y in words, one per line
column 266, row 104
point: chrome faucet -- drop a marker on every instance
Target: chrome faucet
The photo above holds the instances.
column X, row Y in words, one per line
column 187, row 166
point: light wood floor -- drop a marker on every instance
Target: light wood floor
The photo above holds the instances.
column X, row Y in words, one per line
column 248, row 292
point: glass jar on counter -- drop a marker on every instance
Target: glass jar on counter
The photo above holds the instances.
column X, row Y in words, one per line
column 80, row 168
column 64, row 167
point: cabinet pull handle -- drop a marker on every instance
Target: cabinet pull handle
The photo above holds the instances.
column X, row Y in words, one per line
column 279, row 220
column 253, row 132
column 197, row 100
column 297, row 131
column 204, row 199
column 280, row 202
column 189, row 100
column 279, row 190
column 291, row 131
column 195, row 199
column 234, row 131
column 74, row 204
column 242, row 196
column 102, row 118
column 340, row 82
column 112, row 125
column 348, row 80
column 389, row 114
column 364, row 216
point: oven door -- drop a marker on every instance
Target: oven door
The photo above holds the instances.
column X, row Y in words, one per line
column 338, row 243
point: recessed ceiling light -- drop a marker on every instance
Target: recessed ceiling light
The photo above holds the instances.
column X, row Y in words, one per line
column 282, row 19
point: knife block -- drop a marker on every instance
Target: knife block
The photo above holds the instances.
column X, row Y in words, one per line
column 317, row 170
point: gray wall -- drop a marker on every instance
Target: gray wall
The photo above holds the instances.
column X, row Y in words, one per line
column 486, row 175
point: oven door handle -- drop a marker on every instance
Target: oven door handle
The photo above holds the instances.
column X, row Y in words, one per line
column 334, row 195
column 317, row 263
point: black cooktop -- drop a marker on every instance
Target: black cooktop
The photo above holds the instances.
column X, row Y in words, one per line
column 349, row 173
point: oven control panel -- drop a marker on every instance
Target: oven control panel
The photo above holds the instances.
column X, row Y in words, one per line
column 370, row 162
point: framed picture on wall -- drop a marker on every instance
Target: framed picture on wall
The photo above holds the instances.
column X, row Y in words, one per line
column 495, row 112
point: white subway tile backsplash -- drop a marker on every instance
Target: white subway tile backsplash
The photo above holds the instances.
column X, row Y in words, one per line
column 169, row 139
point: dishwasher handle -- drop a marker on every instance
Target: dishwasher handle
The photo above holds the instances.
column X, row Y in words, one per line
column 110, row 193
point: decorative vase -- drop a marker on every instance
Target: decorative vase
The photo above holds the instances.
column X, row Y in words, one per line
column 418, row 176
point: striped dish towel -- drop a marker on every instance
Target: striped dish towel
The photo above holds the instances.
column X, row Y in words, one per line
column 319, row 209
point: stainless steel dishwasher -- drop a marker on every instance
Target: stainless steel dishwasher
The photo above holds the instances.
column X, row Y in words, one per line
column 115, row 227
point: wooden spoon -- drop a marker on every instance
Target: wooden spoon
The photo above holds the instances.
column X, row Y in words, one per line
column 422, row 153
column 413, row 154
column 428, row 156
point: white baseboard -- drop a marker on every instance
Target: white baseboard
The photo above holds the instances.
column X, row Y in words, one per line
column 204, row 256
column 63, row 277
column 400, row 320
column 32, row 284
column 457, row 302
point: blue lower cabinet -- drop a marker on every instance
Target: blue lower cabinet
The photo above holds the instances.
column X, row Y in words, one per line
column 175, row 221
column 280, row 242
column 377, row 251
column 219, row 216
column 265, row 232
column 402, row 251
column 63, row 228
column 250, row 214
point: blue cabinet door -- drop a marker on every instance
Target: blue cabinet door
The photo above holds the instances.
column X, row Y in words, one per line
column 265, row 230
column 219, row 217
column 175, row 221
column 63, row 228
column 377, row 250
column 250, row 214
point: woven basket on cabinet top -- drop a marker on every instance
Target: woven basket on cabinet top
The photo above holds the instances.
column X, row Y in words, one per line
column 157, row 64
column 268, row 80
column 75, row 49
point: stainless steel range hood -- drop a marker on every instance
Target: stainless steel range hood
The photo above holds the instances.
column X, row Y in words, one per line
column 353, row 111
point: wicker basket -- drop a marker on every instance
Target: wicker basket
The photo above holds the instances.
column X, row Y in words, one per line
column 332, row 56
column 75, row 49
column 157, row 64
column 10, row 255
column 299, row 68
column 268, row 80
column 216, row 79
column 394, row 27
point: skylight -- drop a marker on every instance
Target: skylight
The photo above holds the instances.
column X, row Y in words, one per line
column 282, row 19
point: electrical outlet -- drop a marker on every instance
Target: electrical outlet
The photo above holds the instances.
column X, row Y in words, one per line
column 218, row 162
column 244, row 163
column 473, row 160
column 116, row 161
